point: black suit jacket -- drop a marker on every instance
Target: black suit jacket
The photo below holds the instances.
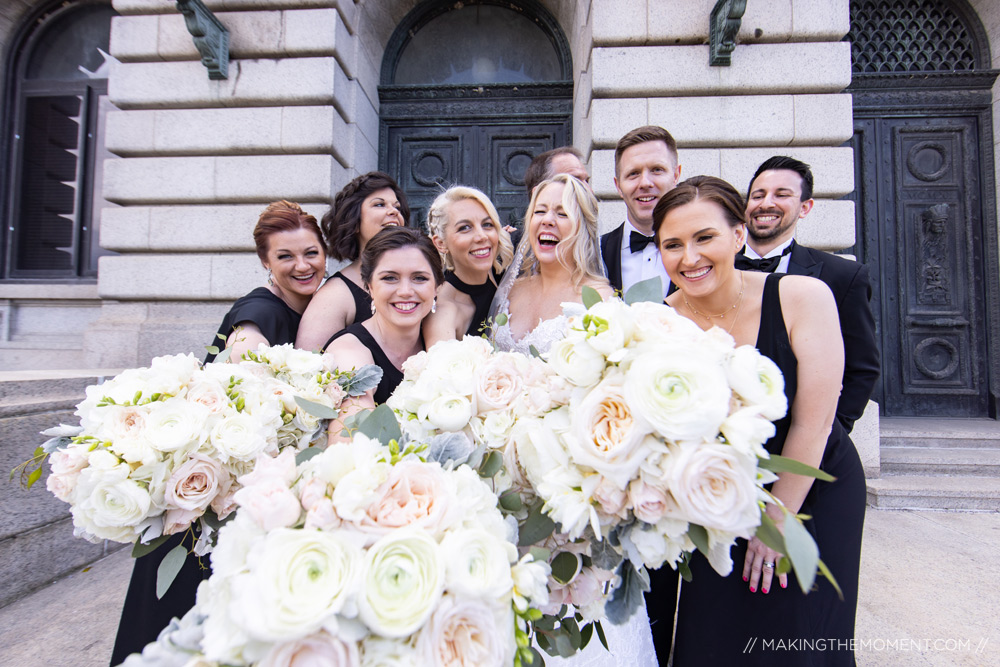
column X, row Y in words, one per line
column 852, row 290
column 611, row 254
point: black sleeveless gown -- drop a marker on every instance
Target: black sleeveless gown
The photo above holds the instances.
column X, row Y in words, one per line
column 362, row 300
column 720, row 622
column 391, row 376
column 143, row 616
column 482, row 298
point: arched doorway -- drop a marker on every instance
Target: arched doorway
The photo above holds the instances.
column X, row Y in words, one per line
column 926, row 209
column 469, row 93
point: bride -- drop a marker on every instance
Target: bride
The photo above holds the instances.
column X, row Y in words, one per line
column 558, row 256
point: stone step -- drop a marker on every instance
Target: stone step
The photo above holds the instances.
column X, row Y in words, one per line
column 926, row 432
column 935, row 492
column 972, row 461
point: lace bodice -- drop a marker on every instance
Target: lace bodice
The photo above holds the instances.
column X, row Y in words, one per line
column 541, row 337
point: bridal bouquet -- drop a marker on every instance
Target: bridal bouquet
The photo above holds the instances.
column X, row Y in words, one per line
column 362, row 554
column 658, row 449
column 162, row 447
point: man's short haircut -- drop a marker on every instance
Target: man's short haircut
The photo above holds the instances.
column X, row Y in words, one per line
column 641, row 135
column 538, row 170
column 791, row 164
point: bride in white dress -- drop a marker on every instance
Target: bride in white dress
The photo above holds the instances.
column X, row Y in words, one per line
column 558, row 256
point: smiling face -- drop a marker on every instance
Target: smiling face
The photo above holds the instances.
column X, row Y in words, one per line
column 698, row 245
column 550, row 224
column 402, row 286
column 471, row 240
column 297, row 263
column 380, row 209
column 774, row 207
column 646, row 172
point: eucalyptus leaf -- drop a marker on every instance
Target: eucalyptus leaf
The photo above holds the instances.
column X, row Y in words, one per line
column 317, row 410
column 784, row 464
column 547, row 623
column 627, row 597
column 169, row 567
column 600, row 635
column 699, row 536
column 139, row 549
column 650, row 289
column 212, row 349
column 586, row 632
column 543, row 641
column 564, row 645
column 802, row 551
column 536, row 528
column 381, row 425
column 685, row 570
column 534, row 352
column 223, row 356
column 571, row 627
column 307, row 454
column 511, row 501
column 536, row 658
column 767, row 532
column 491, row 464
column 500, row 319
column 565, row 567
column 590, row 297
column 540, row 554
column 829, row 575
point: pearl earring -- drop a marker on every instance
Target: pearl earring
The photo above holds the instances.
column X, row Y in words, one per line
column 434, row 305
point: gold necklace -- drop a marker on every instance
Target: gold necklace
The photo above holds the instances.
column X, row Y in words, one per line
column 738, row 307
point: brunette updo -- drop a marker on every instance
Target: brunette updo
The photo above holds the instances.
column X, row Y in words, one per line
column 394, row 238
column 706, row 188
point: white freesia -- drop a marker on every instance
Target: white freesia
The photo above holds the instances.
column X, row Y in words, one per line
column 758, row 381
column 403, row 580
column 530, row 583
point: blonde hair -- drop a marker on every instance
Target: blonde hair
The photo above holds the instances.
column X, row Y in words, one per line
column 437, row 220
column 580, row 253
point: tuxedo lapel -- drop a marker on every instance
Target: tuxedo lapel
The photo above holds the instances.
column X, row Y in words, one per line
column 802, row 263
column 611, row 253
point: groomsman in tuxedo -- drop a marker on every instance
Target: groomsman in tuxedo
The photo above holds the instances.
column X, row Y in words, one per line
column 780, row 195
column 645, row 168
column 562, row 160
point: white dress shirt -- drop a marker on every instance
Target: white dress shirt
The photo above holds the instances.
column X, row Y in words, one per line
column 782, row 265
column 643, row 265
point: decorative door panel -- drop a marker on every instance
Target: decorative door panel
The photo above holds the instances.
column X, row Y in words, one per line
column 426, row 160
column 919, row 192
column 510, row 151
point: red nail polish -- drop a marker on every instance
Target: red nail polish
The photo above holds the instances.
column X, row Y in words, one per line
column 753, row 590
column 784, row 585
column 764, row 591
column 746, row 578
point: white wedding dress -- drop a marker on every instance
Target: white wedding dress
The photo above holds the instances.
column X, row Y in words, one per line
column 631, row 645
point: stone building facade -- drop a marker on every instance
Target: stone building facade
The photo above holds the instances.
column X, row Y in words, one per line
column 310, row 102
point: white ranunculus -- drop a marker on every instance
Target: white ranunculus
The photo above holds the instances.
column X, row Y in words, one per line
column 609, row 326
column 110, row 504
column 450, row 412
column 577, row 361
column 463, row 632
column 478, row 564
column 757, row 381
column 606, row 436
column 358, row 489
column 317, row 650
column 297, row 581
column 714, row 486
column 176, row 424
column 680, row 391
column 239, row 436
column 171, row 374
column 404, row 576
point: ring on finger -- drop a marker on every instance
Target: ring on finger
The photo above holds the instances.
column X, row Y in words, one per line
column 769, row 566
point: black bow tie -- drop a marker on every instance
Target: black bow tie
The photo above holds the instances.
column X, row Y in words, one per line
column 764, row 264
column 637, row 242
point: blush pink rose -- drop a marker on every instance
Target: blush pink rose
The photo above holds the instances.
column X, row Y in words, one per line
column 195, row 484
column 269, row 503
column 415, row 493
column 649, row 502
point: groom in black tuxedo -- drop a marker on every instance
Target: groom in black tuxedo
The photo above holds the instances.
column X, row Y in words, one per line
column 645, row 169
column 780, row 195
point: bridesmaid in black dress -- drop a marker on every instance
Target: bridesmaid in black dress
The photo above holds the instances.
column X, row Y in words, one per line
column 753, row 616
column 402, row 271
column 290, row 247
column 475, row 249
column 360, row 210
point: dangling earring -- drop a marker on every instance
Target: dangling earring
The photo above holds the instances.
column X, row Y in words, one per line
column 373, row 307
column 270, row 281
column 434, row 305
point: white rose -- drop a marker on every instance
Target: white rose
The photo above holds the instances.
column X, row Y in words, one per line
column 210, row 393
column 758, row 381
column 109, row 504
column 313, row 651
column 450, row 412
column 498, row 384
column 577, row 361
column 239, row 436
column 714, row 486
column 478, row 563
column 404, row 575
column 195, row 484
column 297, row 581
column 176, row 424
column 171, row 374
column 606, row 435
column 467, row 632
column 680, row 391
